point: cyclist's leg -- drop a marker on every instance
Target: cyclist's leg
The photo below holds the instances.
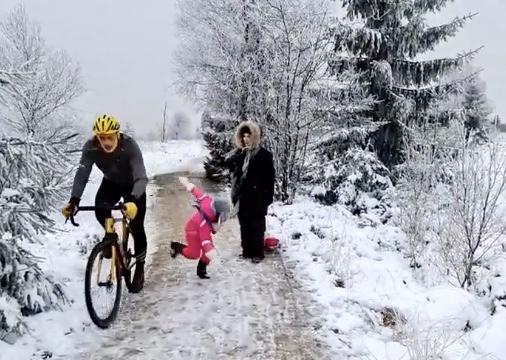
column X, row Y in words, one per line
column 140, row 242
column 107, row 195
column 138, row 231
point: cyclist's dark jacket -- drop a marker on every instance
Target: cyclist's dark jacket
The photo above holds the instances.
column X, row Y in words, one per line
column 125, row 166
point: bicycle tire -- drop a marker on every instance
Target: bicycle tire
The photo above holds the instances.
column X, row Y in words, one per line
column 127, row 274
column 106, row 322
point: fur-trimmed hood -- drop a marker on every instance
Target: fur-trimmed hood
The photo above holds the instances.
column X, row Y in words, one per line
column 255, row 134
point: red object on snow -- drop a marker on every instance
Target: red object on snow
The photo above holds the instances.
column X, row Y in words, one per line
column 271, row 243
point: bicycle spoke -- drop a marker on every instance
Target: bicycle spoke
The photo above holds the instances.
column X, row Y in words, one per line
column 102, row 310
column 103, row 295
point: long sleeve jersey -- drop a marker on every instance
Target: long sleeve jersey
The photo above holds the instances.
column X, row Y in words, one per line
column 125, row 166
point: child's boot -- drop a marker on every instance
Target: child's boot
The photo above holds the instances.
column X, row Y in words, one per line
column 202, row 270
column 176, row 248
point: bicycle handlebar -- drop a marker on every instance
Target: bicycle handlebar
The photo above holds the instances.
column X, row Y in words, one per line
column 118, row 206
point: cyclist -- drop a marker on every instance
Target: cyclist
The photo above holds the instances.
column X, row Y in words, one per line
column 120, row 159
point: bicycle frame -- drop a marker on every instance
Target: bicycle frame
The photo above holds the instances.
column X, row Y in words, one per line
column 120, row 260
column 110, row 234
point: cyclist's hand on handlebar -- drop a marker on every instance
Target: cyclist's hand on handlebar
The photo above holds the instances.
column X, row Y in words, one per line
column 130, row 210
column 70, row 208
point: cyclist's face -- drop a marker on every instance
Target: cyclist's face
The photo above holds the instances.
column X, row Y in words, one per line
column 109, row 142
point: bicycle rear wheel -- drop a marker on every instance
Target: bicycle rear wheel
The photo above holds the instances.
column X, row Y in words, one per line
column 102, row 280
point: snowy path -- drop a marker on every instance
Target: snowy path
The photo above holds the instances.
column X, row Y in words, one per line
column 246, row 311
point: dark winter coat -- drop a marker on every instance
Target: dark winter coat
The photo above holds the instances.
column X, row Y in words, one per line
column 253, row 180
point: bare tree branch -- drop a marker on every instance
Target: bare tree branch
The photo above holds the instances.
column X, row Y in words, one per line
column 41, row 107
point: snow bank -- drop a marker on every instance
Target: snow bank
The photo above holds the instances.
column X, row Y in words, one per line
column 375, row 308
column 65, row 257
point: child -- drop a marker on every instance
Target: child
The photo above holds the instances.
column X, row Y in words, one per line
column 210, row 214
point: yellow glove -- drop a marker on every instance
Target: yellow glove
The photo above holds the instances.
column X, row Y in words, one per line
column 130, row 210
column 70, row 208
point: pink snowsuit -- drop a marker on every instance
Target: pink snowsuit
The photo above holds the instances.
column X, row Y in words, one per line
column 198, row 229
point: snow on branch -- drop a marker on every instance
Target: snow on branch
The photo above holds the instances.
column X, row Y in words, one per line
column 430, row 5
column 32, row 177
column 451, row 194
column 418, row 73
column 261, row 60
column 433, row 36
column 40, row 106
column 9, row 84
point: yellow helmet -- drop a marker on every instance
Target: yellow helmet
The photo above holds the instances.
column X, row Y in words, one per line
column 105, row 124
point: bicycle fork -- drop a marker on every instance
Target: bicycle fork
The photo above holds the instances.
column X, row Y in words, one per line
column 110, row 240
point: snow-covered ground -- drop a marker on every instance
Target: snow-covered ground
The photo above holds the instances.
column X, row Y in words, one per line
column 352, row 267
column 65, row 257
column 355, row 270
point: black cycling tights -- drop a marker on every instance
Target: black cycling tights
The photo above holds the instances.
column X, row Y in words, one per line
column 108, row 194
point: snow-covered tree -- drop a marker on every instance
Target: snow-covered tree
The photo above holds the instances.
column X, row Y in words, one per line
column 28, row 194
column 180, row 126
column 496, row 123
column 32, row 176
column 9, row 84
column 382, row 42
column 220, row 77
column 42, row 109
column 260, row 61
column 476, row 107
column 128, row 129
column 470, row 102
column 216, row 132
column 344, row 170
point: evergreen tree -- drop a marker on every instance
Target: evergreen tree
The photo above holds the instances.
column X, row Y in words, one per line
column 28, row 191
column 476, row 107
column 217, row 132
column 496, row 123
column 393, row 34
column 32, row 176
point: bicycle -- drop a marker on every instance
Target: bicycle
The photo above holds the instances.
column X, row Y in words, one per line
column 122, row 262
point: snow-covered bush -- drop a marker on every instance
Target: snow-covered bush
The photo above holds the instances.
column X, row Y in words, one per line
column 356, row 179
column 450, row 194
column 419, row 182
column 472, row 224
column 32, row 177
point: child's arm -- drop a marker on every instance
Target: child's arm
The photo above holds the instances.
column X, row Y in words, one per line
column 196, row 192
column 190, row 187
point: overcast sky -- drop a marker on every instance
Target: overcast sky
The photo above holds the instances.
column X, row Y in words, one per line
column 125, row 46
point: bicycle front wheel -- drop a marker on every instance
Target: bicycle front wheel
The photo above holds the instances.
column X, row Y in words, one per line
column 130, row 261
column 106, row 277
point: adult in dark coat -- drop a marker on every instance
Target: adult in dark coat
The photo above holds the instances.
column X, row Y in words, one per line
column 253, row 176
